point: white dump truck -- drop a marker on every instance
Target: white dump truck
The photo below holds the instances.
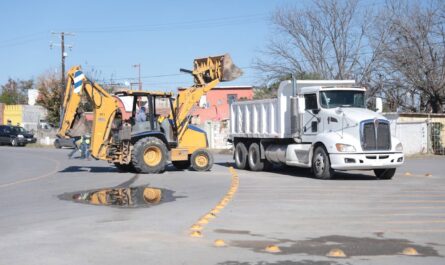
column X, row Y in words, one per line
column 318, row 124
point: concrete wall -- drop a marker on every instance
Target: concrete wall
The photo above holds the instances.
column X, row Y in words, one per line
column 414, row 130
column 26, row 115
column 217, row 134
column 32, row 115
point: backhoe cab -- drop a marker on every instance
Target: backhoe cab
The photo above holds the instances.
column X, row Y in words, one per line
column 148, row 139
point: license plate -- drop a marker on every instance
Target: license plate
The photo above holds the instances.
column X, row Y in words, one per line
column 29, row 140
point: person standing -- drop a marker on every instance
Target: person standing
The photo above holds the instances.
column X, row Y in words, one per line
column 76, row 142
column 85, row 147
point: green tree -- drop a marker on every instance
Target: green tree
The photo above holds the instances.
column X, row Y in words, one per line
column 15, row 91
column 50, row 94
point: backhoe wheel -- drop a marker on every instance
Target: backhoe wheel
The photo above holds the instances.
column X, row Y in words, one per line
column 387, row 173
column 254, row 158
column 181, row 165
column 125, row 167
column 321, row 165
column 240, row 156
column 202, row 160
column 149, row 155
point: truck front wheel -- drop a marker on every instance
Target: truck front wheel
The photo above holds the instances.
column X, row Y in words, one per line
column 241, row 156
column 149, row 155
column 321, row 165
column 387, row 173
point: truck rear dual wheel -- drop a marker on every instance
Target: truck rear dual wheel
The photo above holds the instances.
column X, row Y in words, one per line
column 240, row 156
column 149, row 155
column 254, row 159
column 386, row 173
column 321, row 165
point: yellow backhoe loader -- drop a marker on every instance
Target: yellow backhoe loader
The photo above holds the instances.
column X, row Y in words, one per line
column 145, row 146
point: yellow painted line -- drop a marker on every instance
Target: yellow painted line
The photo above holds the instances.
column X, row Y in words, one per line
column 198, row 226
column 49, row 174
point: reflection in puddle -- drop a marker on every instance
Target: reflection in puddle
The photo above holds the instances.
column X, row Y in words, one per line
column 129, row 197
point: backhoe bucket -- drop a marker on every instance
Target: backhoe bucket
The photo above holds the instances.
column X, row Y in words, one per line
column 80, row 127
column 229, row 70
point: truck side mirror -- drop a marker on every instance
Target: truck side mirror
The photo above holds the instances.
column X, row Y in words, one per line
column 378, row 105
column 301, row 105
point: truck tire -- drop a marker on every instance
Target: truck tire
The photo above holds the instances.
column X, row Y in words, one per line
column 240, row 156
column 181, row 165
column 202, row 160
column 254, row 158
column 149, row 155
column 321, row 165
column 386, row 173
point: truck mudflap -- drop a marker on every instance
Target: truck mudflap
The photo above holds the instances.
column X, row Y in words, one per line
column 351, row 161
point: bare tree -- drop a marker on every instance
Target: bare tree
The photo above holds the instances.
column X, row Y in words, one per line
column 413, row 51
column 328, row 39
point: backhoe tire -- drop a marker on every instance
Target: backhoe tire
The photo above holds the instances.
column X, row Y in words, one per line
column 181, row 165
column 202, row 160
column 386, row 173
column 321, row 165
column 254, row 158
column 240, row 156
column 149, row 155
column 125, row 167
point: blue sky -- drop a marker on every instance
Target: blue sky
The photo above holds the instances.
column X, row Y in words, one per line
column 111, row 36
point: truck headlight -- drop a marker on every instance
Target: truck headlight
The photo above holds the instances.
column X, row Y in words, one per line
column 399, row 147
column 345, row 148
column 20, row 136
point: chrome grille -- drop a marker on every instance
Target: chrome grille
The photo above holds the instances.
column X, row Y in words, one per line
column 375, row 135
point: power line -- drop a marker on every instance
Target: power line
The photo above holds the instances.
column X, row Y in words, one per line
column 174, row 25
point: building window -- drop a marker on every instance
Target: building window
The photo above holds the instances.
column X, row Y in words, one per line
column 231, row 98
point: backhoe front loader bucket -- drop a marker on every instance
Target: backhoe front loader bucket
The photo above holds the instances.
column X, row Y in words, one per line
column 215, row 67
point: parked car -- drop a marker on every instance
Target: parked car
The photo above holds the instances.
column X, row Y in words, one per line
column 63, row 142
column 15, row 135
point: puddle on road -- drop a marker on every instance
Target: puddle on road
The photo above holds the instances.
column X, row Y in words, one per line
column 123, row 197
column 352, row 246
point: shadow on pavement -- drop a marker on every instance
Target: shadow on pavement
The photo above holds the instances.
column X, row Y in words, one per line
column 306, row 172
column 92, row 169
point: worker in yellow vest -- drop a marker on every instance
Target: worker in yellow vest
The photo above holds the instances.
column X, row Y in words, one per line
column 85, row 146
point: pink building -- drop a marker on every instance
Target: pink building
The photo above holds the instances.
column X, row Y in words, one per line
column 215, row 106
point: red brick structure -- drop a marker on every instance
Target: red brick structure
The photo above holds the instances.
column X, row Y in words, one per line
column 215, row 106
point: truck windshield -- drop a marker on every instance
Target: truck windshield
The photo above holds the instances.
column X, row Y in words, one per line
column 341, row 98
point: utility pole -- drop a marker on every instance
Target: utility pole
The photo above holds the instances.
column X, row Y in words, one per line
column 63, row 54
column 139, row 75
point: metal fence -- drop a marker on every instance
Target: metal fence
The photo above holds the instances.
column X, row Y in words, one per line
column 436, row 131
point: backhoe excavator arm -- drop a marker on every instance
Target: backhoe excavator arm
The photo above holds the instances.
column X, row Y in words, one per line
column 104, row 111
column 207, row 73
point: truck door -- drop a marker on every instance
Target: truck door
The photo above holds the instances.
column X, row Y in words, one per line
column 311, row 120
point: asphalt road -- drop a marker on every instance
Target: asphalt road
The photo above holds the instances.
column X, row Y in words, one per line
column 371, row 221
